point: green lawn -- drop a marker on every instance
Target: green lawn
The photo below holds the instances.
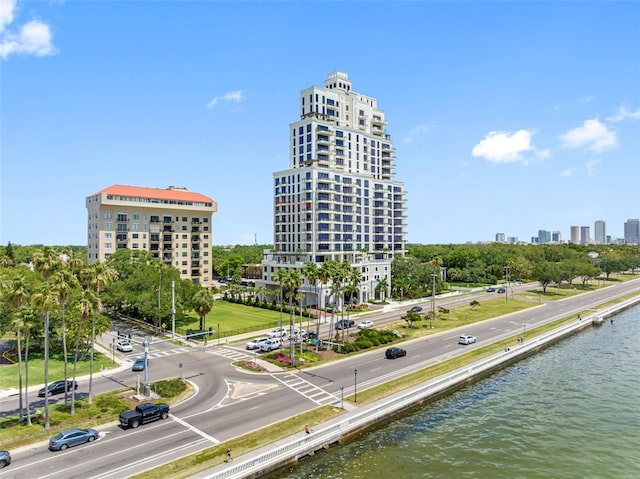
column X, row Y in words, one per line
column 232, row 318
column 9, row 373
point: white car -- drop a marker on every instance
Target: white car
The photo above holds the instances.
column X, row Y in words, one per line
column 276, row 333
column 365, row 324
column 270, row 345
column 124, row 346
column 255, row 343
column 466, row 339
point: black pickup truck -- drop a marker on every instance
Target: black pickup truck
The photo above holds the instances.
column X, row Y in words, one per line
column 143, row 413
column 345, row 324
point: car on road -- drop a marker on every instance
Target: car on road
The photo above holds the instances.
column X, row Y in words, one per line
column 395, row 352
column 5, row 459
column 491, row 289
column 365, row 324
column 466, row 339
column 124, row 346
column 72, row 437
column 255, row 343
column 138, row 365
column 277, row 333
column 416, row 309
column 270, row 345
column 345, row 324
column 501, row 290
column 57, row 388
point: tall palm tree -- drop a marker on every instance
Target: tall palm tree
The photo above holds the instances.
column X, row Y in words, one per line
column 29, row 320
column 292, row 281
column 280, row 277
column 63, row 283
column 381, row 287
column 45, row 299
column 99, row 276
column 324, row 276
column 202, row 303
column 311, row 272
column 86, row 306
column 16, row 290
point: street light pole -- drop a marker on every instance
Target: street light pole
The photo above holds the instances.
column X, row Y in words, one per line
column 433, row 299
column 506, row 289
column 355, row 385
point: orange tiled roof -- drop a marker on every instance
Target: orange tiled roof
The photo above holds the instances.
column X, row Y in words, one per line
column 155, row 193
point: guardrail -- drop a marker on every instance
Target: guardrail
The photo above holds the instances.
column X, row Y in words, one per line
column 332, row 434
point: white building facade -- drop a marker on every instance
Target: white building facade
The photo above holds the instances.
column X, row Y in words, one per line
column 338, row 200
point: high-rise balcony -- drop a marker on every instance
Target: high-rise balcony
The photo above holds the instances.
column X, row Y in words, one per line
column 376, row 120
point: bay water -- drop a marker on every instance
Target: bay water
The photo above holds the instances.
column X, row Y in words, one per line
column 570, row 412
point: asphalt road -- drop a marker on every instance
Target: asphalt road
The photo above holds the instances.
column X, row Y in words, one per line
column 229, row 402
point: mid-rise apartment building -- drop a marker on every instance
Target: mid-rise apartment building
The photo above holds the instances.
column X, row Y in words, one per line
column 339, row 199
column 173, row 224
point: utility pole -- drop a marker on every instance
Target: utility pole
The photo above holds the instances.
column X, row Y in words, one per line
column 173, row 309
column 433, row 299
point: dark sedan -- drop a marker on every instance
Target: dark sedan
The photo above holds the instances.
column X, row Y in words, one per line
column 395, row 352
column 57, row 388
column 72, row 437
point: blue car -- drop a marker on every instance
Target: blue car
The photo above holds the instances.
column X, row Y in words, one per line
column 72, row 437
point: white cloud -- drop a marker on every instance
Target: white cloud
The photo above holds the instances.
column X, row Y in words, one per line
column 234, row 96
column 624, row 114
column 7, row 8
column 32, row 38
column 591, row 166
column 592, row 135
column 504, row 147
column 566, row 172
column 415, row 132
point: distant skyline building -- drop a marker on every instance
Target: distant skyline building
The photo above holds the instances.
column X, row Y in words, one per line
column 544, row 237
column 556, row 237
column 575, row 234
column 632, row 231
column 585, row 235
column 339, row 199
column 173, row 224
column 500, row 238
column 600, row 232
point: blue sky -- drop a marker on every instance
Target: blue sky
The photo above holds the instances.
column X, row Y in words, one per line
column 507, row 117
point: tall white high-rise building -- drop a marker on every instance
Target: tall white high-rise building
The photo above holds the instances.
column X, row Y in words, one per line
column 600, row 232
column 632, row 231
column 338, row 200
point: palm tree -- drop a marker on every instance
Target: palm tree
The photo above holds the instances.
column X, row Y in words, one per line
column 292, row 281
column 16, row 290
column 29, row 319
column 45, row 299
column 381, row 287
column 324, row 275
column 63, row 284
column 311, row 272
column 86, row 305
column 202, row 303
column 99, row 275
column 280, row 277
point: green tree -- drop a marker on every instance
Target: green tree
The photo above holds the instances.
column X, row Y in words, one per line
column 202, row 305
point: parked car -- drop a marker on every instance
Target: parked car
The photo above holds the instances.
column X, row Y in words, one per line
column 138, row 365
column 277, row 333
column 5, row 459
column 365, row 324
column 72, row 437
column 124, row 346
column 501, row 290
column 416, row 309
column 395, row 352
column 57, row 388
column 466, row 339
column 270, row 345
column 491, row 289
column 255, row 343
